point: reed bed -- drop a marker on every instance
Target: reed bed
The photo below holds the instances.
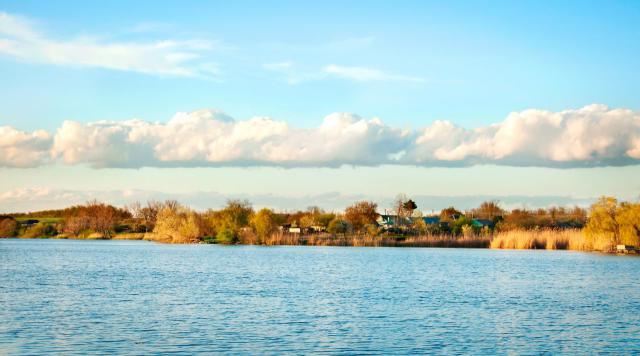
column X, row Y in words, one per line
column 377, row 241
column 549, row 239
column 545, row 239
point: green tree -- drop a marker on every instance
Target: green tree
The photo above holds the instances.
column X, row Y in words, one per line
column 628, row 219
column 602, row 227
column 409, row 206
column 263, row 223
column 237, row 214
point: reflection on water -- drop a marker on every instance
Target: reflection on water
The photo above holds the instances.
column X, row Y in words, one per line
column 138, row 297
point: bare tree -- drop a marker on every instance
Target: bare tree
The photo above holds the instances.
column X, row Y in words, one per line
column 404, row 208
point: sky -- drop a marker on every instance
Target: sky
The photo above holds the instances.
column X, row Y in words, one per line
column 291, row 104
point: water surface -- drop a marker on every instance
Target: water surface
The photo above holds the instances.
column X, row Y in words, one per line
column 136, row 297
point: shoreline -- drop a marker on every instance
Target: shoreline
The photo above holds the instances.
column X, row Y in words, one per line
column 382, row 243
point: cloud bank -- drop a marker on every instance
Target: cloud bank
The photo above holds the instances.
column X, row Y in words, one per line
column 591, row 136
column 20, row 39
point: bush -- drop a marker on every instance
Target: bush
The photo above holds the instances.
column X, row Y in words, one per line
column 372, row 229
column 338, row 226
column 179, row 225
column 226, row 236
column 613, row 223
column 8, row 227
column 461, row 226
column 40, row 229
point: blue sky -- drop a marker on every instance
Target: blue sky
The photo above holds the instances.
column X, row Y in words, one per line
column 407, row 63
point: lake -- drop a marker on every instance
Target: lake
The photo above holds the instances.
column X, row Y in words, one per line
column 136, row 297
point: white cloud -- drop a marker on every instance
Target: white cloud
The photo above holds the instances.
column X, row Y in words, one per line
column 591, row 136
column 20, row 39
column 211, row 138
column 22, row 149
column 366, row 74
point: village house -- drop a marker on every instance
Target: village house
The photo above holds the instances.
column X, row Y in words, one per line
column 482, row 223
column 387, row 221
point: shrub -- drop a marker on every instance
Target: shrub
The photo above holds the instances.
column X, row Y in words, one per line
column 458, row 226
column 613, row 223
column 372, row 229
column 179, row 224
column 338, row 226
column 226, row 236
column 8, row 226
column 40, row 229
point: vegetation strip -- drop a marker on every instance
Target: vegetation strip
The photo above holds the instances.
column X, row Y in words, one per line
column 608, row 226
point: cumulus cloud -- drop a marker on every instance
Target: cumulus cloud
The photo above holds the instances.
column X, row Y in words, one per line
column 591, row 136
column 22, row 149
column 211, row 138
column 594, row 135
column 20, row 39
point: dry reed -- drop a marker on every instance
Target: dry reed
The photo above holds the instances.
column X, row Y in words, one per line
column 549, row 239
column 377, row 241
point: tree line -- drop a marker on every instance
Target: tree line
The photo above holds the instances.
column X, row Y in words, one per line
column 237, row 222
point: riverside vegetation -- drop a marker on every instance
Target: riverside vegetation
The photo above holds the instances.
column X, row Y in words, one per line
column 604, row 225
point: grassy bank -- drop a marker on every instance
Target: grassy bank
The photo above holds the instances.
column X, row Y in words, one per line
column 570, row 239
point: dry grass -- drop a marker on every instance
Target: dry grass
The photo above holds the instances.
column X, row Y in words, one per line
column 377, row 241
column 571, row 239
column 129, row 236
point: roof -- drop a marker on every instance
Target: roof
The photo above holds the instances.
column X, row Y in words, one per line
column 430, row 220
column 390, row 219
column 482, row 222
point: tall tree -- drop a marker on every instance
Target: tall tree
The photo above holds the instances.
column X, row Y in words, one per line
column 361, row 214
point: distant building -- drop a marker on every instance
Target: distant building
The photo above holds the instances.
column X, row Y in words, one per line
column 431, row 220
column 388, row 221
column 481, row 223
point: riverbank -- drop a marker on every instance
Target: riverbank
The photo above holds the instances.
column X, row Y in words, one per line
column 569, row 239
